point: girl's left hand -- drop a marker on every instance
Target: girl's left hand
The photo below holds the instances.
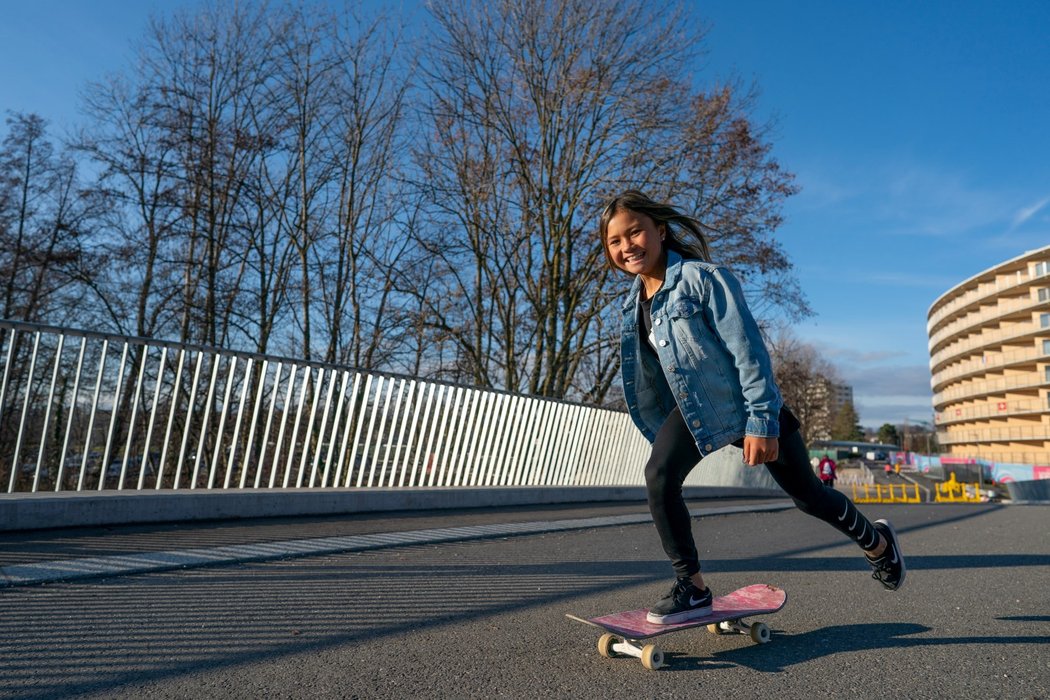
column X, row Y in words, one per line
column 759, row 450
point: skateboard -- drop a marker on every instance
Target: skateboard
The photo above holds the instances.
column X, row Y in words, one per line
column 625, row 631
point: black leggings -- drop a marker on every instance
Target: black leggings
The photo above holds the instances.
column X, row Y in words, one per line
column 675, row 454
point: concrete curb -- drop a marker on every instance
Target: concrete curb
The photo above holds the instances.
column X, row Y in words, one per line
column 33, row 511
column 123, row 565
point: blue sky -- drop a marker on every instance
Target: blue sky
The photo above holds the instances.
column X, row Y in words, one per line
column 919, row 134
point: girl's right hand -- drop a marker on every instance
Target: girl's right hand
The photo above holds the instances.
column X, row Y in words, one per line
column 760, row 450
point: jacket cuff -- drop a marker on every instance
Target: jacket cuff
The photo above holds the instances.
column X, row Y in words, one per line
column 763, row 427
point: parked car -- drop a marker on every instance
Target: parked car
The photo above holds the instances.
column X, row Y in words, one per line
column 135, row 463
column 29, row 468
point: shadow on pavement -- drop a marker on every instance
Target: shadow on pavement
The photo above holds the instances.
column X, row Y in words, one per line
column 791, row 649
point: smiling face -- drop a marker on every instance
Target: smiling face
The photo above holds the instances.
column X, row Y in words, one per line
column 635, row 244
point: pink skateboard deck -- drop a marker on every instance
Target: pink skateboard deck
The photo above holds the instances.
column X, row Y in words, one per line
column 727, row 613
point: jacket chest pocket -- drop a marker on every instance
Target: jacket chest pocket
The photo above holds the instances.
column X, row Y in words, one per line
column 688, row 326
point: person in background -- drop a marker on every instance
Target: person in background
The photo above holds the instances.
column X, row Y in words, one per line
column 826, row 470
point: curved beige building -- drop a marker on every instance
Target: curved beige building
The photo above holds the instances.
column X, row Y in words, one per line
column 990, row 363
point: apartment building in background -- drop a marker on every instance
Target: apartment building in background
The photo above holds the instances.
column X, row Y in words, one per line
column 827, row 398
column 990, row 363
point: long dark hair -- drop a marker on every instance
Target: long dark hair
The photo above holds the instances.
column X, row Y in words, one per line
column 684, row 234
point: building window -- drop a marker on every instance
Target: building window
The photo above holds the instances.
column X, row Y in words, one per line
column 1046, row 347
column 1044, row 320
column 1044, row 294
column 1041, row 268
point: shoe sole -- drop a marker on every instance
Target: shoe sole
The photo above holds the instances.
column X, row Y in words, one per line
column 675, row 618
column 896, row 545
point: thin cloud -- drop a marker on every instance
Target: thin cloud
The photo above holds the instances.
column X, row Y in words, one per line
column 923, row 200
column 892, row 394
column 912, row 381
column 875, row 413
column 863, row 357
column 903, row 197
column 918, row 280
column 1025, row 214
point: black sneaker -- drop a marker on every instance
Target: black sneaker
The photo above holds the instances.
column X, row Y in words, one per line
column 888, row 569
column 684, row 602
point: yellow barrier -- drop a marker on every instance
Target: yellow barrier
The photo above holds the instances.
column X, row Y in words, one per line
column 887, row 493
column 952, row 491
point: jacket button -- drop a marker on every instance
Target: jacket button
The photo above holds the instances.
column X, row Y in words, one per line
column 683, row 395
column 707, row 447
column 663, row 343
column 672, row 369
column 656, row 321
column 696, row 424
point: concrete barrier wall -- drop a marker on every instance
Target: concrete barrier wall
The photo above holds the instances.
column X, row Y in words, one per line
column 1037, row 491
column 83, row 509
column 726, row 468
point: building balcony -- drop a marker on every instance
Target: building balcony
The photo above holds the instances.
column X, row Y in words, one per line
column 1018, row 457
column 1011, row 433
column 991, row 316
column 1000, row 409
column 985, row 388
column 987, row 364
column 984, row 342
column 983, row 293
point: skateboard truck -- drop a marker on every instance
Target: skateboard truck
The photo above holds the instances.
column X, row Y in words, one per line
column 609, row 644
column 758, row 631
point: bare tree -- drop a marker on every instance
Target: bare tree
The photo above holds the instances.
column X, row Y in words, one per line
column 719, row 165
column 366, row 243
column 209, row 68
column 536, row 112
column 806, row 380
column 44, row 223
column 261, row 192
column 138, row 179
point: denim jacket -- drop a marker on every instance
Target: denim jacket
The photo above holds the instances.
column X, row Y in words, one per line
column 713, row 362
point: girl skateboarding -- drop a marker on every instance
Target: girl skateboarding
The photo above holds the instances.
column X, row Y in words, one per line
column 697, row 377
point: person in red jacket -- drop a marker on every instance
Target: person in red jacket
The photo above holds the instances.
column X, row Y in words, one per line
column 826, row 470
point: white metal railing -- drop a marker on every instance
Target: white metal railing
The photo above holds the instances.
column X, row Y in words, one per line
column 84, row 410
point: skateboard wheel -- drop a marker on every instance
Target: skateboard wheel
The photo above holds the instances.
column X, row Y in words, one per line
column 760, row 633
column 605, row 644
column 715, row 628
column 652, row 658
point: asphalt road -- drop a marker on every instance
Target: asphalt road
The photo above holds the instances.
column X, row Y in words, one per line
column 485, row 618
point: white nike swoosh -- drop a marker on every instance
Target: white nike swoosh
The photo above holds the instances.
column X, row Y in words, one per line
column 694, row 601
